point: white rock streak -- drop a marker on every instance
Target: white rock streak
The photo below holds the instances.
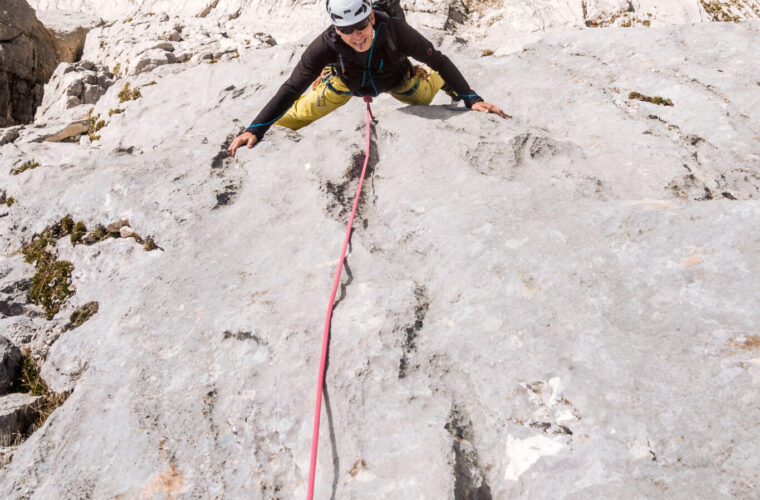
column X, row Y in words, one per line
column 523, row 453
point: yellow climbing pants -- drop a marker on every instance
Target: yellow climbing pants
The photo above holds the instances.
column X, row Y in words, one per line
column 329, row 93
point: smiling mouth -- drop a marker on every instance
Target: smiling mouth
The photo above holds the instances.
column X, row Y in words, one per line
column 361, row 45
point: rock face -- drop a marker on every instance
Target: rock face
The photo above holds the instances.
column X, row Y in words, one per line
column 77, row 84
column 69, row 30
column 10, row 362
column 16, row 413
column 9, row 134
column 562, row 304
column 70, row 131
column 511, row 26
column 148, row 40
column 27, row 59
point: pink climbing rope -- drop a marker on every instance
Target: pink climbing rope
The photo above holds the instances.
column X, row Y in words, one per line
column 326, row 335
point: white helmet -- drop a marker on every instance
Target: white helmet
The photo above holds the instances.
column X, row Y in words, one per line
column 348, row 12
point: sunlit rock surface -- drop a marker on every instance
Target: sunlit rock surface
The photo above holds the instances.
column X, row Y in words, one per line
column 559, row 304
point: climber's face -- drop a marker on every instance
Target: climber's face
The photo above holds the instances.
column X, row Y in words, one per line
column 360, row 34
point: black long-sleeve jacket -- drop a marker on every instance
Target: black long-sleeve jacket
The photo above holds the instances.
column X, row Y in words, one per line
column 382, row 68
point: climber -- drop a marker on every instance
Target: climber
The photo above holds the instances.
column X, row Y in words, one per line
column 363, row 53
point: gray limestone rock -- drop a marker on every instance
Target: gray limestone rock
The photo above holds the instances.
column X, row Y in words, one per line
column 69, row 30
column 9, row 134
column 6, row 455
column 116, row 226
column 10, row 362
column 72, row 85
column 92, row 93
column 139, row 44
column 14, row 286
column 16, row 413
column 151, row 59
column 70, row 131
column 562, row 304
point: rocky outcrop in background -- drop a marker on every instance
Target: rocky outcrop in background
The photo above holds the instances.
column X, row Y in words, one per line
column 148, row 40
column 78, row 84
column 30, row 51
column 69, row 30
column 557, row 305
column 27, row 59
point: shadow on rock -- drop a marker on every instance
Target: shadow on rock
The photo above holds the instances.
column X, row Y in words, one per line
column 434, row 112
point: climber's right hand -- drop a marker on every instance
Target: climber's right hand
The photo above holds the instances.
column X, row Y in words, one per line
column 246, row 138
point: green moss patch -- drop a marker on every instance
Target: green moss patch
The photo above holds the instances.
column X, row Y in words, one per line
column 28, row 379
column 10, row 201
column 127, row 94
column 654, row 100
column 96, row 235
column 720, row 11
column 627, row 20
column 95, row 124
column 83, row 313
column 28, row 165
column 51, row 284
column 150, row 245
column 78, row 232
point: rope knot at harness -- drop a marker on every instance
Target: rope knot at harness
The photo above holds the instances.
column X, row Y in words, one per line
column 368, row 100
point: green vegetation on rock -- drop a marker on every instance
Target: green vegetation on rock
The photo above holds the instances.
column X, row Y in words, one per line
column 83, row 313
column 127, row 94
column 28, row 379
column 717, row 12
column 78, row 232
column 150, row 245
column 95, row 124
column 28, row 165
column 51, row 284
column 654, row 100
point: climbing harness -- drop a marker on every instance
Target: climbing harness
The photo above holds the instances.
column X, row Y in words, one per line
column 420, row 73
column 325, row 79
column 326, row 335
